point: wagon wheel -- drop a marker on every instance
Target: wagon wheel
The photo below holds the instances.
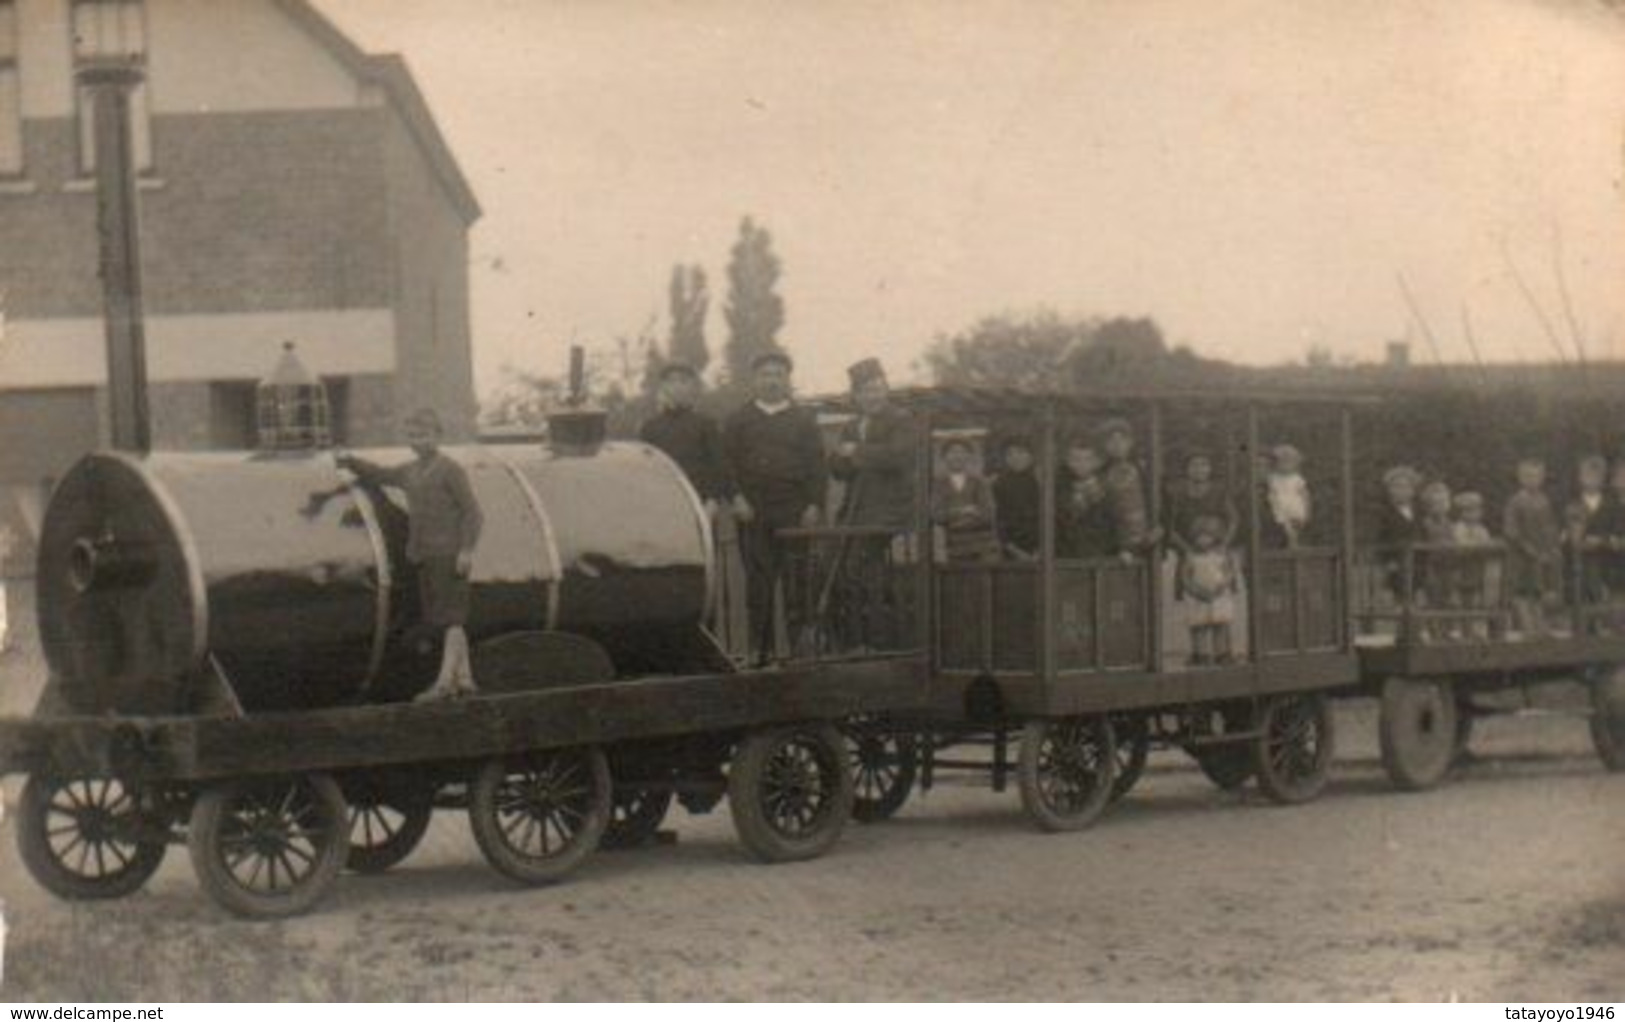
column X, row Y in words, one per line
column 790, row 791
column 87, row 839
column 1420, row 733
column 1067, row 769
column 387, row 826
column 635, row 817
column 884, row 765
column 1292, row 755
column 535, row 817
column 1608, row 720
column 269, row 848
column 1133, row 736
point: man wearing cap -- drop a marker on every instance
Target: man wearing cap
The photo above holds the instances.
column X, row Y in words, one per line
column 444, row 525
column 776, row 457
column 876, row 458
column 688, row 437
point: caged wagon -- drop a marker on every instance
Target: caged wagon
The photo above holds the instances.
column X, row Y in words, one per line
column 1064, row 667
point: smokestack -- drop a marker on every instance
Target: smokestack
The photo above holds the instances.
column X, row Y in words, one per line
column 577, row 429
column 110, row 82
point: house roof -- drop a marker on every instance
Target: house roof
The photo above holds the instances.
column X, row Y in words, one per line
column 390, row 73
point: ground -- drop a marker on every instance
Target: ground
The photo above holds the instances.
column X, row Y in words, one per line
column 1507, row 884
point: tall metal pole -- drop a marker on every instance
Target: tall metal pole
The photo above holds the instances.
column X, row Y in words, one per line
column 110, row 83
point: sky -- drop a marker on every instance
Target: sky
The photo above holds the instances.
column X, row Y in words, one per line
column 1256, row 175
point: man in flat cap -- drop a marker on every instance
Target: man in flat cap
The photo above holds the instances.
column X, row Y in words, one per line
column 876, row 457
column 776, row 457
column 691, row 439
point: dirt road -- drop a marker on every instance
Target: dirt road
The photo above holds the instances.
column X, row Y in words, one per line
column 1507, row 884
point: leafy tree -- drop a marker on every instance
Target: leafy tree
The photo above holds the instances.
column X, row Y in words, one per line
column 754, row 311
column 690, row 301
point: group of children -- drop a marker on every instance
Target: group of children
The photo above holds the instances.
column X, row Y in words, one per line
column 1102, row 511
column 1581, row 547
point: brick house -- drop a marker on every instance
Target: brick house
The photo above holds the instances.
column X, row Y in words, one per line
column 293, row 188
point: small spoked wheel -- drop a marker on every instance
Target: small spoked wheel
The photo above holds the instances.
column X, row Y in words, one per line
column 635, row 817
column 537, row 816
column 790, row 791
column 1419, row 731
column 1608, row 720
column 1066, row 770
column 269, row 848
column 884, row 765
column 386, row 826
column 88, row 838
column 1292, row 754
column 1133, row 737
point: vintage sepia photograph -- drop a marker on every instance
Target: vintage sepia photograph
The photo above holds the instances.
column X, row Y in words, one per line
column 749, row 501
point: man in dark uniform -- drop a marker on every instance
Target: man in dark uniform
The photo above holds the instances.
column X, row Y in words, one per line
column 777, row 459
column 443, row 527
column 688, row 437
column 877, row 458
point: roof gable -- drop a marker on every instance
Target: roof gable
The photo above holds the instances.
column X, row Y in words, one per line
column 390, row 73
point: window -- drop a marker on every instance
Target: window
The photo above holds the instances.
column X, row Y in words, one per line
column 111, row 29
column 11, row 108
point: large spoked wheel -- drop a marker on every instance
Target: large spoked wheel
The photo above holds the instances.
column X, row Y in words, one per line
column 1608, row 720
column 1418, row 728
column 269, row 848
column 88, row 839
column 884, row 765
column 536, row 817
column 386, row 827
column 1292, row 755
column 1133, row 736
column 1066, row 771
column 635, row 817
column 790, row 791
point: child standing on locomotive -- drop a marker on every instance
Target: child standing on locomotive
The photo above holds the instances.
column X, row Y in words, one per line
column 1399, row 527
column 1132, row 530
column 1210, row 579
column 444, row 525
column 1287, row 496
column 1583, row 536
column 776, row 456
column 690, row 438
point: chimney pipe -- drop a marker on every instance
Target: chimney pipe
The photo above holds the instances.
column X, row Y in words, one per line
column 110, row 82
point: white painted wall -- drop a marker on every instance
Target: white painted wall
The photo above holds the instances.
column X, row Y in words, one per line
column 203, row 55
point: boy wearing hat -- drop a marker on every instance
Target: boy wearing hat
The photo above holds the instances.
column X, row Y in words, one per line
column 444, row 522
column 689, row 438
column 1399, row 526
column 776, row 457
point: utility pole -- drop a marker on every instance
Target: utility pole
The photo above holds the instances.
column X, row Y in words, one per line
column 110, row 82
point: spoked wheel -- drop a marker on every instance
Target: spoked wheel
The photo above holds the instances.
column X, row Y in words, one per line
column 1133, row 736
column 1067, row 769
column 635, row 817
column 1292, row 755
column 269, row 848
column 1418, row 730
column 1608, row 720
column 87, row 839
column 535, row 817
column 790, row 791
column 386, row 826
column 884, row 765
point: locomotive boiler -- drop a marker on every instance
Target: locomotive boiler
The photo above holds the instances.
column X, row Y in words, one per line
column 276, row 581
